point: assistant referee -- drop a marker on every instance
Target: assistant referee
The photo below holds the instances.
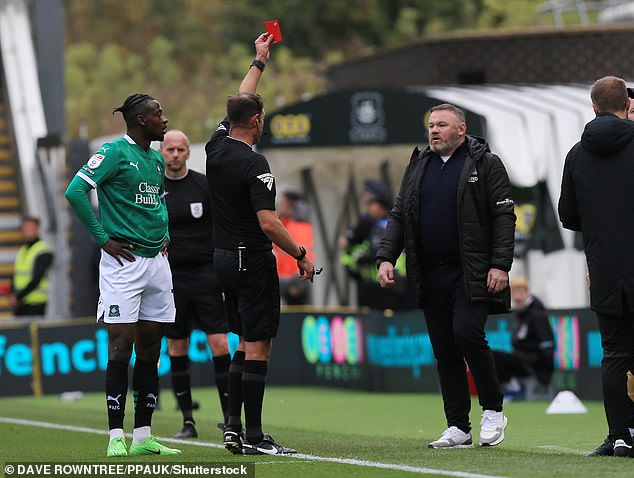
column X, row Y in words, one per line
column 242, row 190
column 197, row 294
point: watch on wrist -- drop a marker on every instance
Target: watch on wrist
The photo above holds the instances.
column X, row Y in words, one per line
column 302, row 254
column 258, row 64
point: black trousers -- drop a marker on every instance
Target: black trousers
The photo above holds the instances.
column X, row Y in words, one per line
column 617, row 339
column 456, row 332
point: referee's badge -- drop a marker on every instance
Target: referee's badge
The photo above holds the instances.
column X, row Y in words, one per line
column 197, row 209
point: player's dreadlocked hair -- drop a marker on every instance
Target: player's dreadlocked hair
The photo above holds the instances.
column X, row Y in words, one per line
column 132, row 105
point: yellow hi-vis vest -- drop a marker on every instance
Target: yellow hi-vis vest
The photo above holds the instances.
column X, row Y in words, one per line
column 23, row 273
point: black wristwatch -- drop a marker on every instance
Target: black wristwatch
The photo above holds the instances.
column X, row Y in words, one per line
column 302, row 254
column 258, row 64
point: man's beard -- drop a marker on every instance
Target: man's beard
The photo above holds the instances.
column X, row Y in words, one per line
column 445, row 147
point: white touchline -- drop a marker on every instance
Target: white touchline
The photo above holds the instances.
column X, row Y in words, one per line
column 344, row 461
column 563, row 449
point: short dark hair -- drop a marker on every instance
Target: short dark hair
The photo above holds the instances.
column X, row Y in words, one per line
column 31, row 219
column 609, row 94
column 448, row 107
column 133, row 105
column 242, row 106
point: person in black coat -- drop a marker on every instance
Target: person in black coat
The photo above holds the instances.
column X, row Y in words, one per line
column 597, row 198
column 533, row 339
column 454, row 216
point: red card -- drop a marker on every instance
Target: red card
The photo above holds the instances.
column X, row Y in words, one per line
column 273, row 27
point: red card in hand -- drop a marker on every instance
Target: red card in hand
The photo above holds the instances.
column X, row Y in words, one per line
column 273, row 27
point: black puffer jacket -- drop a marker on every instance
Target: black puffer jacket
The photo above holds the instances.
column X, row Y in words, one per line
column 597, row 198
column 486, row 221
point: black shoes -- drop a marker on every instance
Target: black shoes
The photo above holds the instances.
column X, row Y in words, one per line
column 233, row 441
column 605, row 449
column 617, row 448
column 188, row 431
column 265, row 447
column 622, row 449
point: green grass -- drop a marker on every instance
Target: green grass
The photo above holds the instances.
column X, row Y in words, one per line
column 379, row 427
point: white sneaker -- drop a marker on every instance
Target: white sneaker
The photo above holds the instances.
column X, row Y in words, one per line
column 492, row 428
column 453, row 437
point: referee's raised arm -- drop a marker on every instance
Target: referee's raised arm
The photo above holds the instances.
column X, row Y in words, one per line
column 262, row 46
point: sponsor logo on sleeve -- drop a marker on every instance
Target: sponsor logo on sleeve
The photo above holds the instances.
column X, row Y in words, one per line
column 95, row 161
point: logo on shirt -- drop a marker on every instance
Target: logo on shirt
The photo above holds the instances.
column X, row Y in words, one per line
column 136, row 165
column 505, row 202
column 114, row 311
column 196, row 209
column 473, row 178
column 95, row 161
column 267, row 179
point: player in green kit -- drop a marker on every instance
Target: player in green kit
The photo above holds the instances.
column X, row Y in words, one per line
column 135, row 281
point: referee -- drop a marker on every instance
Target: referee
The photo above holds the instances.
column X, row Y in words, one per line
column 197, row 295
column 245, row 225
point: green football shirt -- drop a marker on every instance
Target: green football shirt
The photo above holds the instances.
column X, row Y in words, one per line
column 130, row 187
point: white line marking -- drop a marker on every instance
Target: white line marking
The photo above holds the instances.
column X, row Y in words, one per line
column 344, row 461
column 563, row 449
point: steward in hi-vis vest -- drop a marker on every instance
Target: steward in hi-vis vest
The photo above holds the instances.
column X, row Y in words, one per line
column 30, row 277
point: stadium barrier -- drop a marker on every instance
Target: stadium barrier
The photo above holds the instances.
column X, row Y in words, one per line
column 359, row 350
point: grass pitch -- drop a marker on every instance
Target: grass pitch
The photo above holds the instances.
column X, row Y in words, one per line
column 339, row 433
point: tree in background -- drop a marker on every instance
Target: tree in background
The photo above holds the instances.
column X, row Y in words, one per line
column 186, row 52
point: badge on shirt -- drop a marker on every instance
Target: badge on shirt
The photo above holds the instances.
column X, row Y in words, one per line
column 95, row 161
column 197, row 209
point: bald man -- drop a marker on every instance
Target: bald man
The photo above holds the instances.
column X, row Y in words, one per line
column 198, row 298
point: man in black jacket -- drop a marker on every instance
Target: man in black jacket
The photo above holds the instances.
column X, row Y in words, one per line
column 454, row 216
column 597, row 199
column 533, row 339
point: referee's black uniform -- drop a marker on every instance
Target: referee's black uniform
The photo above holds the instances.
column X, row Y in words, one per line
column 197, row 294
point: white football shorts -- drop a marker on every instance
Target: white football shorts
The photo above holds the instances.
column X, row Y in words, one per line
column 139, row 290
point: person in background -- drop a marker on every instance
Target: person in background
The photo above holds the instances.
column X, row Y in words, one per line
column 359, row 245
column 596, row 199
column 197, row 294
column 533, row 339
column 292, row 211
column 30, row 284
column 454, row 216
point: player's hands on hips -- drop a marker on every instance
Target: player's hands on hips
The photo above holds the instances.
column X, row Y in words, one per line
column 386, row 274
column 262, row 47
column 497, row 280
column 166, row 243
column 118, row 250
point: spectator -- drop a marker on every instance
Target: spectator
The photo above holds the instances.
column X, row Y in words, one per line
column 359, row 245
column 533, row 340
column 292, row 211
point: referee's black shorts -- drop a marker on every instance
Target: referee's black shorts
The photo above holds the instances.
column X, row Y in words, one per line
column 252, row 297
column 198, row 300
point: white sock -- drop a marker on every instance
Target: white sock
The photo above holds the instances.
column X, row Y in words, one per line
column 632, row 432
column 140, row 434
column 116, row 433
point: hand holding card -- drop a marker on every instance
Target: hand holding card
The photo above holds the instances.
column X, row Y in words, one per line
column 273, row 27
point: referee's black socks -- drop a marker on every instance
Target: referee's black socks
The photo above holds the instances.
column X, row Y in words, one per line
column 116, row 391
column 234, row 387
column 181, row 384
column 253, row 383
column 221, row 376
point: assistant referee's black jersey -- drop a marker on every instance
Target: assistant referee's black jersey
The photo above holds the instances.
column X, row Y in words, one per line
column 190, row 220
column 240, row 184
